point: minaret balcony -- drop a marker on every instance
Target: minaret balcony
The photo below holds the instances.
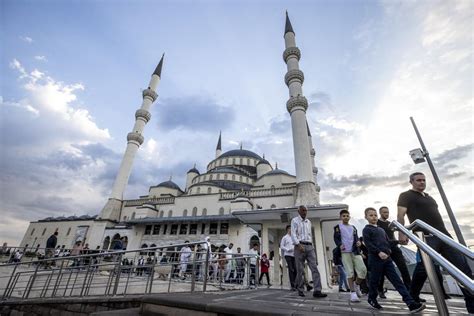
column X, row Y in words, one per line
column 294, row 74
column 148, row 93
column 291, row 51
column 135, row 137
column 143, row 114
column 297, row 102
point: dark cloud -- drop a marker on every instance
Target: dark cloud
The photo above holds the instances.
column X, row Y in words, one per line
column 447, row 157
column 281, row 125
column 194, row 114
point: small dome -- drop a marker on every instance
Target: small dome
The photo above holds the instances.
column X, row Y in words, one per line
column 263, row 161
column 240, row 152
column 193, row 170
column 277, row 172
column 169, row 184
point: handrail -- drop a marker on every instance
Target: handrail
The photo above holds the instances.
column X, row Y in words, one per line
column 457, row 274
column 448, row 240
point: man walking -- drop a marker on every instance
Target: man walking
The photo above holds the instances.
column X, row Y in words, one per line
column 396, row 255
column 50, row 245
column 417, row 204
column 230, row 262
column 288, row 252
column 304, row 251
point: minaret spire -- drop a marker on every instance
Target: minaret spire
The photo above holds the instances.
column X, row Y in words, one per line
column 219, row 145
column 113, row 207
column 297, row 105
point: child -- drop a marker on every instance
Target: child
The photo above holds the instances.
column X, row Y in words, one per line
column 381, row 264
column 345, row 237
column 264, row 266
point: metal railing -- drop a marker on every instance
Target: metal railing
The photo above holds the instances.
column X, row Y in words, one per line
column 128, row 272
column 429, row 255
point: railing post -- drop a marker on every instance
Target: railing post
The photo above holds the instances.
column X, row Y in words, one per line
column 434, row 282
column 193, row 271
column 206, row 269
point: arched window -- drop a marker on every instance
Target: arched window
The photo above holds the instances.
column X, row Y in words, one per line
column 44, row 232
column 162, row 213
column 209, row 190
column 143, row 253
column 221, row 211
column 195, row 211
column 199, row 190
column 248, row 161
column 218, row 176
column 233, row 161
column 170, row 213
column 133, row 215
column 152, row 253
column 273, row 206
column 226, row 161
column 211, row 177
column 204, row 211
column 240, row 178
column 254, row 240
column 241, row 162
column 225, row 177
column 106, row 243
column 233, row 177
column 185, row 212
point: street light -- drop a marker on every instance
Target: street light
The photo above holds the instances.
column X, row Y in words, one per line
column 418, row 155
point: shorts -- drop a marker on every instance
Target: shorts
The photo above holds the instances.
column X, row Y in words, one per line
column 353, row 262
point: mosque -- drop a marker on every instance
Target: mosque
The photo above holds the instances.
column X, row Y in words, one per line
column 239, row 198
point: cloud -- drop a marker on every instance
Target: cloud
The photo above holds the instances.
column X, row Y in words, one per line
column 40, row 58
column 26, row 39
column 194, row 114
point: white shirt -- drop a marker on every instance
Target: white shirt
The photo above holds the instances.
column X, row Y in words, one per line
column 228, row 252
column 185, row 254
column 287, row 247
column 300, row 230
column 253, row 256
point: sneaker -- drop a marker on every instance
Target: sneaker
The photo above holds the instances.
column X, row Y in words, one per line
column 416, row 307
column 419, row 300
column 382, row 294
column 318, row 294
column 343, row 291
column 357, row 290
column 354, row 297
column 374, row 304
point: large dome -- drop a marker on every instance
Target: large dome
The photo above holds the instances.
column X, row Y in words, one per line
column 241, row 153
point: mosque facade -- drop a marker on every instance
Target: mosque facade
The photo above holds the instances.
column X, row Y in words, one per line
column 239, row 197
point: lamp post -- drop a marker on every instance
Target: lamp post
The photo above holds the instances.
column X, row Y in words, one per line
column 418, row 155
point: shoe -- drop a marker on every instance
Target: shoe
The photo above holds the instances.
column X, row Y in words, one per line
column 419, row 300
column 309, row 287
column 354, row 297
column 301, row 294
column 357, row 290
column 382, row 294
column 416, row 307
column 374, row 304
column 318, row 294
column 342, row 291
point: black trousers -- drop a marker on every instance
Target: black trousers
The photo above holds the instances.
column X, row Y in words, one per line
column 290, row 261
column 453, row 256
column 397, row 257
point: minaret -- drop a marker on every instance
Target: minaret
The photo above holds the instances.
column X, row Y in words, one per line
column 135, row 138
column 313, row 161
column 297, row 106
column 219, row 147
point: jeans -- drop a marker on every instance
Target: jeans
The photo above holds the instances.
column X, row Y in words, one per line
column 453, row 256
column 342, row 277
column 399, row 260
column 379, row 268
column 290, row 261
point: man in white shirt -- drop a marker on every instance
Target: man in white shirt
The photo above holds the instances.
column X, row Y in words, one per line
column 304, row 251
column 229, row 257
column 288, row 252
column 253, row 260
column 185, row 254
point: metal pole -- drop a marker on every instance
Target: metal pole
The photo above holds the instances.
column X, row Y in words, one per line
column 452, row 218
column 193, row 271
column 206, row 268
column 434, row 282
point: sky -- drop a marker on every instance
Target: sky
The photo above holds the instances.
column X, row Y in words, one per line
column 72, row 73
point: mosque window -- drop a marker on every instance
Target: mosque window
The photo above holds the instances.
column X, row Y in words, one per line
column 209, row 190
column 44, row 232
column 170, row 213
column 32, row 232
column 198, row 190
column 185, row 212
column 225, row 177
column 240, row 178
column 191, row 191
column 203, row 228
column 211, row 177
column 233, row 161
column 241, row 161
column 174, row 229
column 221, row 211
column 204, row 211
column 213, row 229
column 226, row 161
column 156, row 229
column 248, row 161
column 148, row 229
column 162, row 213
column 220, row 191
column 195, row 211
column 143, row 253
column 68, row 231
column 133, row 215
column 183, row 230
column 193, row 229
column 224, row 228
column 152, row 253
column 273, row 206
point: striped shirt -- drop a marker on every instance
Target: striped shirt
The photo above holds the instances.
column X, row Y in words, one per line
column 300, row 230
